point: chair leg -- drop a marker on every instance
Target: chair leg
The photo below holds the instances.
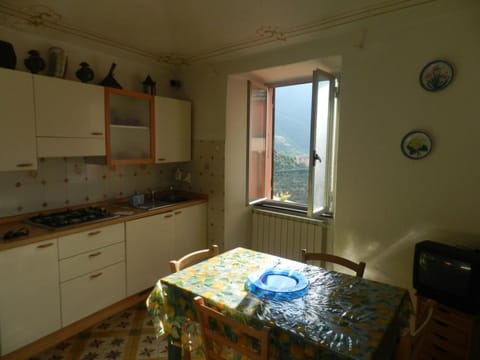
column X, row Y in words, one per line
column 174, row 351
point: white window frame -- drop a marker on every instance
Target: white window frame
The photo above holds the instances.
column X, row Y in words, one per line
column 309, row 210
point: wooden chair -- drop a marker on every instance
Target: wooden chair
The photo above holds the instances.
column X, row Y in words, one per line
column 359, row 268
column 225, row 325
column 193, row 258
column 409, row 344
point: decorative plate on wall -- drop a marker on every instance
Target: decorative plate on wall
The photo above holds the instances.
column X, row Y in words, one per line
column 416, row 145
column 436, row 75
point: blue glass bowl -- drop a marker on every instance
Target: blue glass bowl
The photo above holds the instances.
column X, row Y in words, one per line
column 277, row 284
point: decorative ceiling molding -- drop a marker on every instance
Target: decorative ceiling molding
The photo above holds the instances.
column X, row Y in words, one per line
column 42, row 16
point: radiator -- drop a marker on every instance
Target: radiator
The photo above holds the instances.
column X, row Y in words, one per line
column 285, row 235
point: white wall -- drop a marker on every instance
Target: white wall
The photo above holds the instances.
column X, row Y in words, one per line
column 384, row 201
column 237, row 215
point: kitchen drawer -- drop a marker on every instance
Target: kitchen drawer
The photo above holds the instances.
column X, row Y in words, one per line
column 81, row 242
column 443, row 331
column 87, row 294
column 434, row 348
column 452, row 317
column 90, row 261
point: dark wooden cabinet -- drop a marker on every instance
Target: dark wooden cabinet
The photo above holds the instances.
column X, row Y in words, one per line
column 453, row 334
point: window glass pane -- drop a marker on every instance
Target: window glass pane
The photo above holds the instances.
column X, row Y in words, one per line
column 321, row 141
column 292, row 115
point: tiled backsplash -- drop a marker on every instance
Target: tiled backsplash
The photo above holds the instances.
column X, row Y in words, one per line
column 208, row 177
column 62, row 182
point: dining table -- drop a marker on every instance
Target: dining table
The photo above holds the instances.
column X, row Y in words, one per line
column 337, row 316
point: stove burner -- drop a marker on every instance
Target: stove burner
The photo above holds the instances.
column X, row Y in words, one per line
column 64, row 219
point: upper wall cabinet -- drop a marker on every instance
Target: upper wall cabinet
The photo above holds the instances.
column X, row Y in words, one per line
column 70, row 118
column 172, row 130
column 130, row 127
column 17, row 122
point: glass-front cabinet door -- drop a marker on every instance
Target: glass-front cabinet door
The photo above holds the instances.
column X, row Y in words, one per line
column 130, row 129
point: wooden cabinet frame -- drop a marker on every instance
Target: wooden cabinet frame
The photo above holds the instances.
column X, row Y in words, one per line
column 108, row 133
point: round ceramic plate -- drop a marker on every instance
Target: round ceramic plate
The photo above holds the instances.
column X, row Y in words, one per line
column 436, row 75
column 416, row 145
column 278, row 284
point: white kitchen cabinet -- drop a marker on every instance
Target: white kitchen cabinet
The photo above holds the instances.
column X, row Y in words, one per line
column 155, row 240
column 172, row 130
column 149, row 248
column 29, row 296
column 92, row 271
column 17, row 122
column 70, row 118
column 84, row 295
column 190, row 230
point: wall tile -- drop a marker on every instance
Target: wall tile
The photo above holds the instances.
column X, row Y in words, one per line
column 55, row 194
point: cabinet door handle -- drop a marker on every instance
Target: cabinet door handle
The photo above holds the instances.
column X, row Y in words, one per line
column 93, row 233
column 22, row 165
column 43, row 246
column 96, row 133
column 95, row 254
column 168, row 216
column 161, row 159
column 95, row 275
column 177, row 212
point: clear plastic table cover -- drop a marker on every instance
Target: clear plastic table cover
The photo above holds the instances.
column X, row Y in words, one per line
column 340, row 317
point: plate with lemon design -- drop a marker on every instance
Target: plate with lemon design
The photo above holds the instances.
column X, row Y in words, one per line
column 416, row 145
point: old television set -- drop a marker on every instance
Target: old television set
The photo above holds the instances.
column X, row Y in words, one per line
column 449, row 274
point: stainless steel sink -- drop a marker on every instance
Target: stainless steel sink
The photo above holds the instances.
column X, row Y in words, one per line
column 154, row 205
column 161, row 203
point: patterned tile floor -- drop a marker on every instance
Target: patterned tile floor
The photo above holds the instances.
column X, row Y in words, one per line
column 128, row 335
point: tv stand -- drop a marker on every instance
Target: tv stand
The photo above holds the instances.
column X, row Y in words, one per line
column 452, row 335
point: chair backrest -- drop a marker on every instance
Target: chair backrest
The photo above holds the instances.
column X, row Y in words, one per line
column 409, row 344
column 359, row 268
column 219, row 337
column 193, row 258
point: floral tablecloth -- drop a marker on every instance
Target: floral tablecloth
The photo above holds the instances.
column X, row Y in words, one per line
column 341, row 317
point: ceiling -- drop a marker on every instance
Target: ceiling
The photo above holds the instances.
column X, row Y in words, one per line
column 189, row 31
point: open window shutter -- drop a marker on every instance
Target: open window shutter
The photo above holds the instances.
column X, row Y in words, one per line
column 259, row 142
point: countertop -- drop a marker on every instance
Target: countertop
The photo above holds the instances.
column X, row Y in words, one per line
column 37, row 233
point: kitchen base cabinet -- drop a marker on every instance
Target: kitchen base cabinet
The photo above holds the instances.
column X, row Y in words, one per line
column 89, row 293
column 149, row 249
column 92, row 271
column 29, row 296
column 190, row 230
column 155, row 240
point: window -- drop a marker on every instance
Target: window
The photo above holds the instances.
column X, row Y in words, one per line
column 291, row 132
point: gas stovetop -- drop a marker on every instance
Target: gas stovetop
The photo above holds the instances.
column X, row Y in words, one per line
column 68, row 218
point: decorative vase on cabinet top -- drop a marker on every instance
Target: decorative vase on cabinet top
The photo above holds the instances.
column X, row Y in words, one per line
column 57, row 62
column 110, row 80
column 8, row 59
column 34, row 62
column 85, row 73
